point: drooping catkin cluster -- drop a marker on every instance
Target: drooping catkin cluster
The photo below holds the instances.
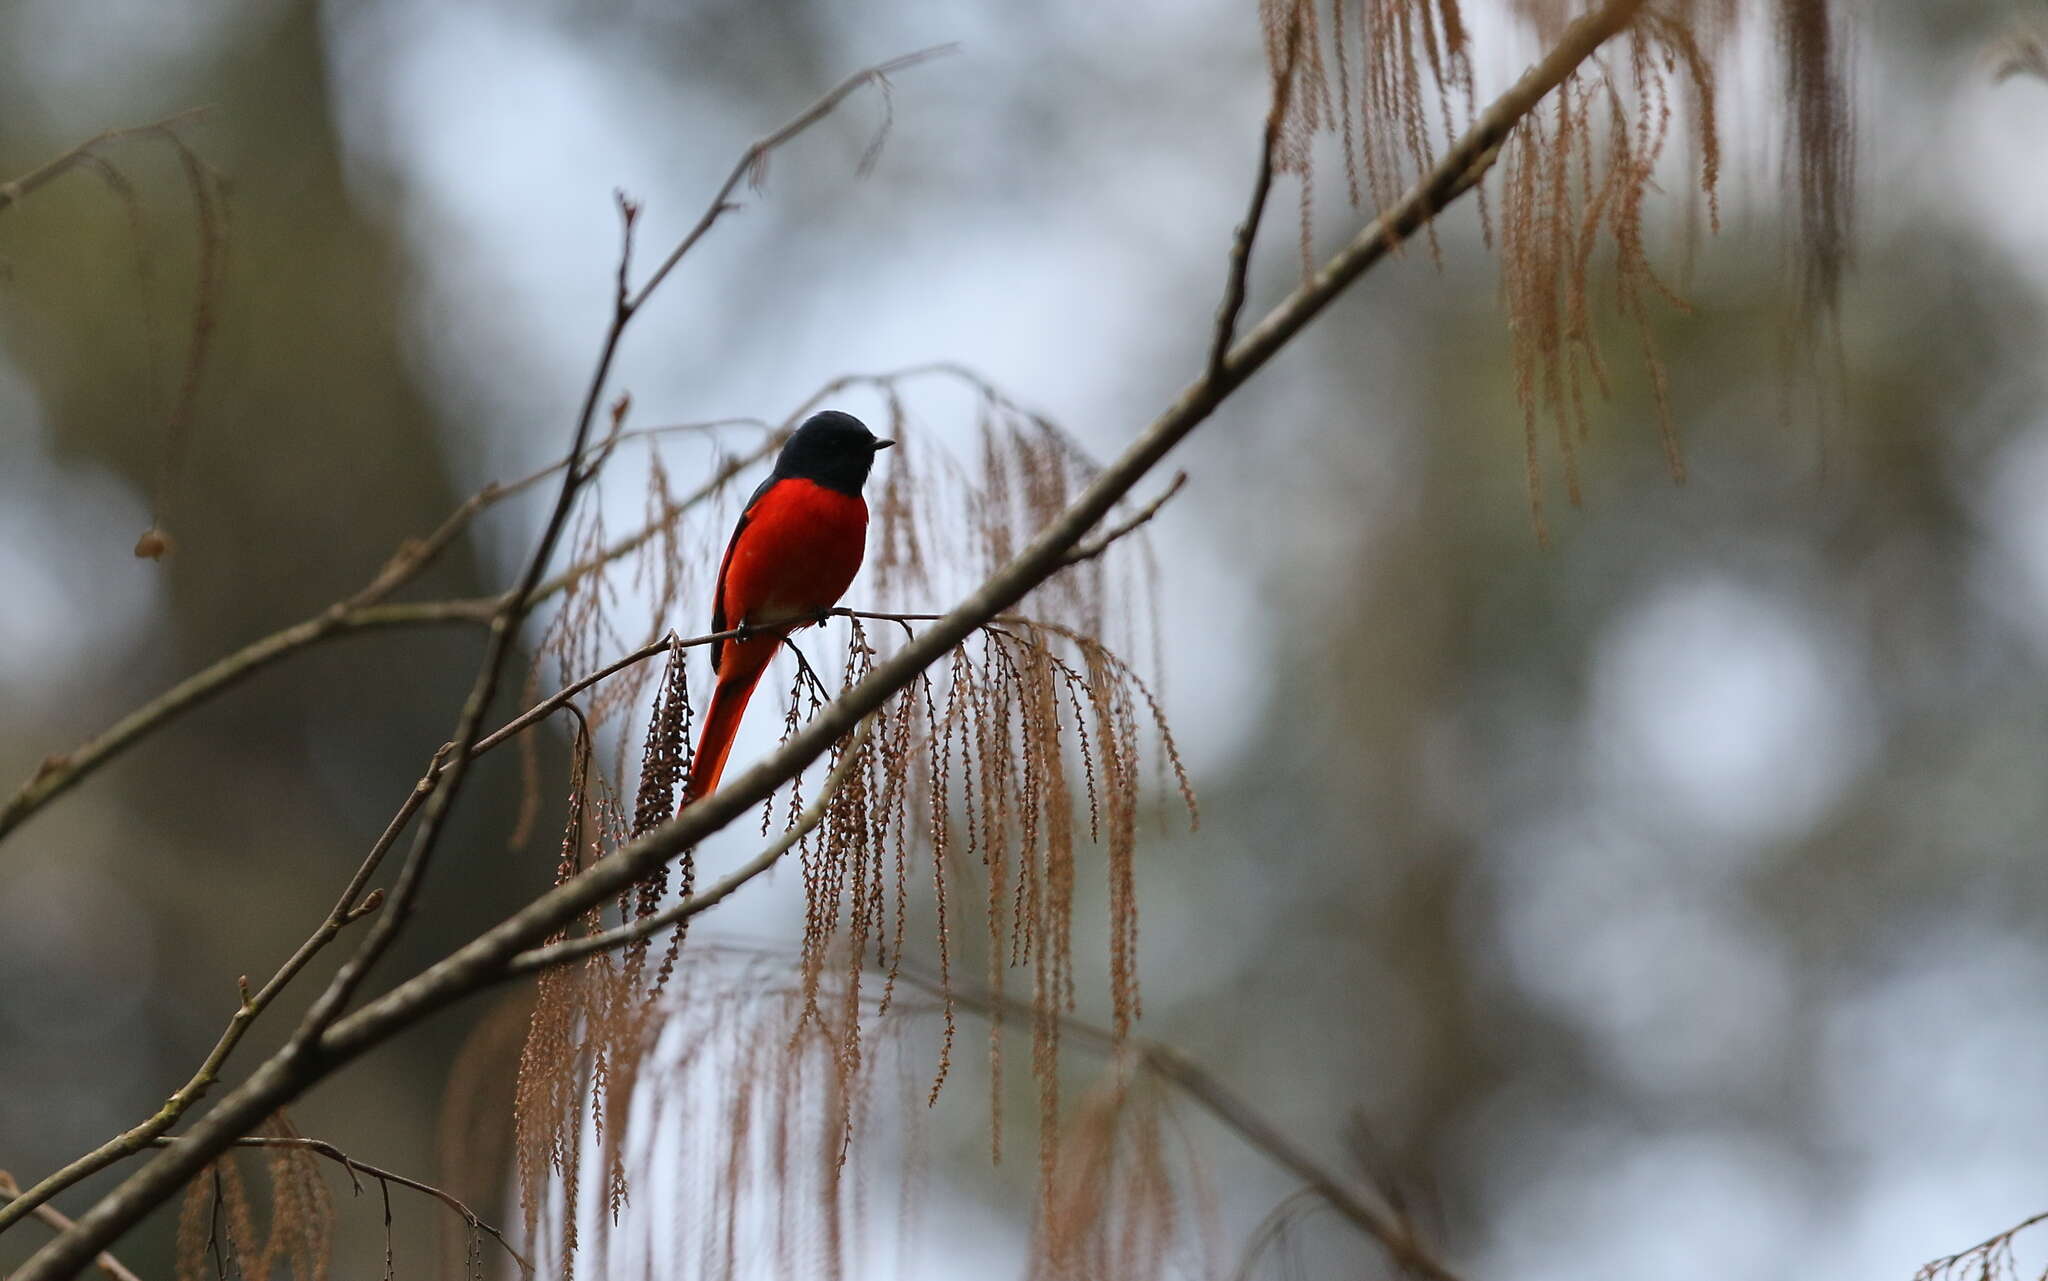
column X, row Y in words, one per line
column 1576, row 178
column 1369, row 71
column 1127, row 1185
column 1391, row 77
column 217, row 1223
column 748, row 1127
column 1006, row 775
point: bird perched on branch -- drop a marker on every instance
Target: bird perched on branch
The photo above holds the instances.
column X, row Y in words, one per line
column 795, row 551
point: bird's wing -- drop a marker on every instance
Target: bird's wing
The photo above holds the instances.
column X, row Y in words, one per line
column 719, row 622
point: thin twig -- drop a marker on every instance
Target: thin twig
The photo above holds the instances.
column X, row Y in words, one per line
column 1234, row 284
column 17, row 189
column 541, row 958
column 754, row 157
column 484, row 960
column 322, row 1147
column 1101, row 542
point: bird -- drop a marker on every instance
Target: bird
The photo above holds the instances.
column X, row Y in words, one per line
column 795, row 551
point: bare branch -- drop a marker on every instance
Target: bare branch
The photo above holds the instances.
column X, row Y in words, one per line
column 58, row 774
column 1248, row 230
column 1101, row 542
column 15, row 190
column 437, row 790
column 484, row 960
column 754, row 157
column 321, row 1147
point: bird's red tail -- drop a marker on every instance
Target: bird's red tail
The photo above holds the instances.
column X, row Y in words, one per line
column 741, row 668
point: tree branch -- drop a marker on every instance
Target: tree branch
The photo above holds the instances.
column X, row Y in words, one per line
column 561, row 953
column 322, row 1147
column 756, row 156
column 1248, row 231
column 484, row 960
column 58, row 774
column 1101, row 542
column 437, row 790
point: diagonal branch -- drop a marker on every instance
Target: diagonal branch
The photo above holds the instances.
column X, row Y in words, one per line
column 485, row 960
column 1248, row 230
column 553, row 954
column 1102, row 542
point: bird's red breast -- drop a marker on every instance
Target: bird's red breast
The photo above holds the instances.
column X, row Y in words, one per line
column 796, row 552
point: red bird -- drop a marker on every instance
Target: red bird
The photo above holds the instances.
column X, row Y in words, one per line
column 794, row 553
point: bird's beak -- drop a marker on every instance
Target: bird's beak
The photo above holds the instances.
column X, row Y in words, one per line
column 881, row 445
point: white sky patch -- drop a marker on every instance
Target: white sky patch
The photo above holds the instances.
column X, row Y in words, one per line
column 1720, row 707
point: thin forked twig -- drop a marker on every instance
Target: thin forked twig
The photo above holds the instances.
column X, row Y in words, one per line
column 321, row 1147
column 1234, row 285
column 756, row 156
column 1101, row 543
column 15, row 190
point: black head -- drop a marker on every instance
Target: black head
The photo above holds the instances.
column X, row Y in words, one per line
column 833, row 449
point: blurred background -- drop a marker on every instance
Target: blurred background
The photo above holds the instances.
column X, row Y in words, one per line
column 1663, row 903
